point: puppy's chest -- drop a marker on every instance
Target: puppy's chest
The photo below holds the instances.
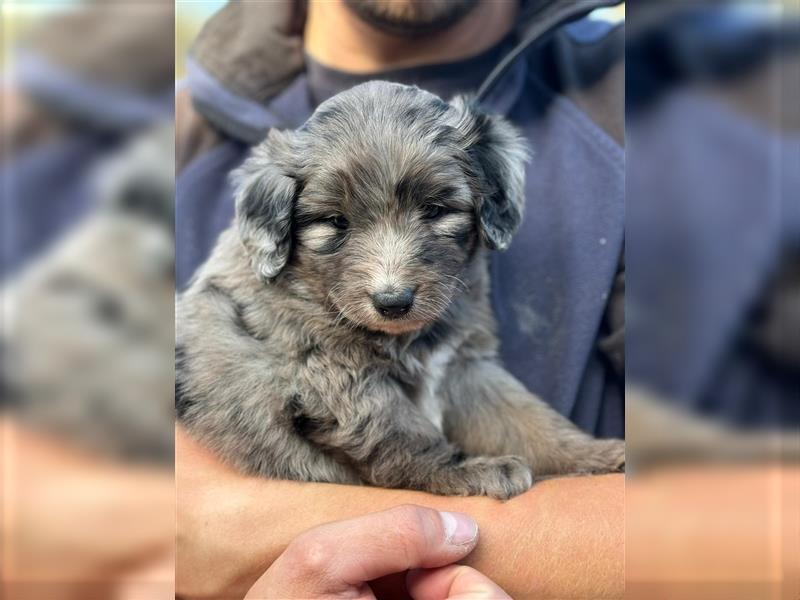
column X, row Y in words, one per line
column 423, row 376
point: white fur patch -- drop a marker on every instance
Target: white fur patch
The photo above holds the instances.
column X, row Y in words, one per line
column 317, row 235
column 430, row 402
column 452, row 224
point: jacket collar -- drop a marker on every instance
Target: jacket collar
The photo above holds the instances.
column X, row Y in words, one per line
column 247, row 87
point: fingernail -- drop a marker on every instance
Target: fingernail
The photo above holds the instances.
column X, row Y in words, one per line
column 459, row 529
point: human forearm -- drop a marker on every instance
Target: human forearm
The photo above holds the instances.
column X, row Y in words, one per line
column 562, row 539
column 78, row 525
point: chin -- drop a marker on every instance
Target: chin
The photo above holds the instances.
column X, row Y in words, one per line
column 398, row 327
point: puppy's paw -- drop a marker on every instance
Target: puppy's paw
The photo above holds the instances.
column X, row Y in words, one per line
column 501, row 477
column 611, row 456
column 605, row 456
column 616, row 456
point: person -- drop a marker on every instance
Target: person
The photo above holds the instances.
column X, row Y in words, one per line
column 378, row 544
column 557, row 292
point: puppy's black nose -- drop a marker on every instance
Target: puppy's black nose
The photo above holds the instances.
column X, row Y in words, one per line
column 393, row 304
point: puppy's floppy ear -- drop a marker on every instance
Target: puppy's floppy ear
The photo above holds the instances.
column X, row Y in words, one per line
column 496, row 157
column 265, row 196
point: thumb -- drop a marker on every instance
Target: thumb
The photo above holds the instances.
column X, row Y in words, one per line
column 340, row 556
column 455, row 582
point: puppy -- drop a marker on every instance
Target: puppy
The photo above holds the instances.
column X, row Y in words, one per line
column 341, row 331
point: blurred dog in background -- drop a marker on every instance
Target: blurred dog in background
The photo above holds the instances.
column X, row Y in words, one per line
column 87, row 351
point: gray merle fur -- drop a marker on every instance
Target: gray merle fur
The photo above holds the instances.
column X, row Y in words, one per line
column 287, row 369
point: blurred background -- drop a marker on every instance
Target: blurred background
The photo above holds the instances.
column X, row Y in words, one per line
column 713, row 299
column 190, row 16
column 87, row 265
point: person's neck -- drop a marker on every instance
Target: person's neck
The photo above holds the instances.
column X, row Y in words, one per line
column 338, row 39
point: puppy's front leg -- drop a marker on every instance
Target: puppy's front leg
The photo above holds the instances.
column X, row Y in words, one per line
column 391, row 444
column 489, row 412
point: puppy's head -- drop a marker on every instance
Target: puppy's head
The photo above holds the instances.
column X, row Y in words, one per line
column 376, row 206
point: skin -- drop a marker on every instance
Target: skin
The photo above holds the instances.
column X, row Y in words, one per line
column 25, row 124
column 339, row 559
column 75, row 525
column 665, row 532
column 567, row 522
column 707, row 531
column 359, row 48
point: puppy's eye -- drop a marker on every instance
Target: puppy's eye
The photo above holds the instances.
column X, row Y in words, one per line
column 340, row 222
column 432, row 212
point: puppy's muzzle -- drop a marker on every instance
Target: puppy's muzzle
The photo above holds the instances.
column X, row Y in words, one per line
column 393, row 305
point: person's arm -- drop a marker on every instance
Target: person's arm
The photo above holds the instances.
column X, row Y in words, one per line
column 562, row 539
column 344, row 559
column 78, row 525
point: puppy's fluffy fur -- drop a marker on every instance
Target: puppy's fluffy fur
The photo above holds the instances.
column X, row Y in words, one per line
column 284, row 365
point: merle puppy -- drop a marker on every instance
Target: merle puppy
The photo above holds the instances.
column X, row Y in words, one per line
column 342, row 332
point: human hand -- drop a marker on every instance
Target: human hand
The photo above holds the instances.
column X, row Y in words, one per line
column 339, row 559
